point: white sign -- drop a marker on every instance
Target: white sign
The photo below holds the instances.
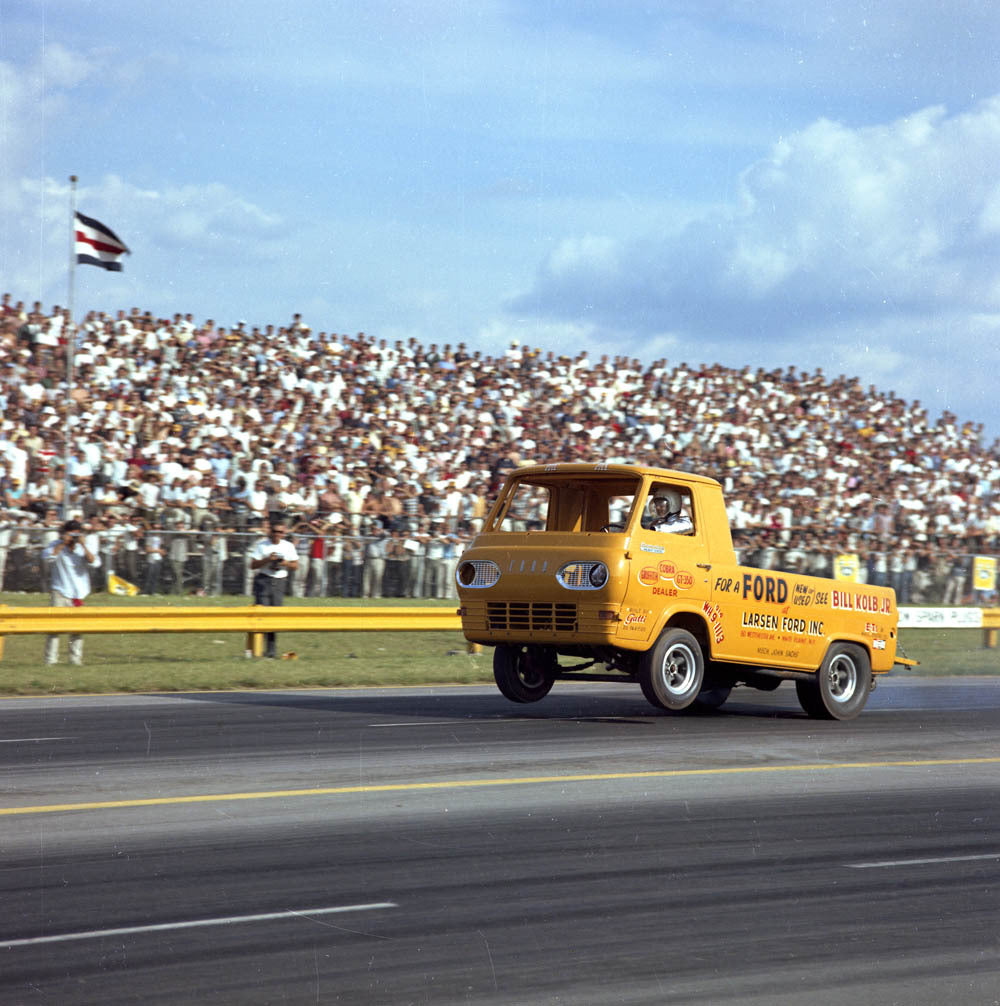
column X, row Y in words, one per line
column 940, row 618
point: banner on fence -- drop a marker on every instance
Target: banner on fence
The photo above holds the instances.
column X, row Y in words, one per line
column 942, row 618
column 847, row 567
column 984, row 573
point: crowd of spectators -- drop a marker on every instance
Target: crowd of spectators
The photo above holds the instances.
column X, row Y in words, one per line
column 183, row 437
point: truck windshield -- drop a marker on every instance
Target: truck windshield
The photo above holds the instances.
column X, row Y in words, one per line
column 567, row 505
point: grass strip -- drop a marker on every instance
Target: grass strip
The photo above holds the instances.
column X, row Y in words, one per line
column 180, row 662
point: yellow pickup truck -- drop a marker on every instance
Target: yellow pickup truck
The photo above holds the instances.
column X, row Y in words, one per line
column 632, row 571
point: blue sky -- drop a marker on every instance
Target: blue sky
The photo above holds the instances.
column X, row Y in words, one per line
column 764, row 183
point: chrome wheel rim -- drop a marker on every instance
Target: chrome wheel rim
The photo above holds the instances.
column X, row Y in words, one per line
column 842, row 678
column 678, row 671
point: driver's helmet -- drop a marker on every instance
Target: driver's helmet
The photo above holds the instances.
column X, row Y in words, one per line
column 664, row 501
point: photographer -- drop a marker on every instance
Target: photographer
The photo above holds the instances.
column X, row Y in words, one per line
column 69, row 562
column 271, row 559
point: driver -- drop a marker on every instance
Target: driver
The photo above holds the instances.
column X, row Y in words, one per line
column 666, row 512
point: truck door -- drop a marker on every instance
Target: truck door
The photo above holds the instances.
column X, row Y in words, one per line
column 669, row 557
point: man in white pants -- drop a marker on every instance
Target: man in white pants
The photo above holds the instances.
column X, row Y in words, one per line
column 69, row 561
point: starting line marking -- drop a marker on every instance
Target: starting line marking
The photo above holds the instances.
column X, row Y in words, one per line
column 922, row 862
column 31, row 740
column 448, row 784
column 233, row 920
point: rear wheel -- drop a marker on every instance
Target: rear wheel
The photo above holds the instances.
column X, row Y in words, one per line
column 672, row 672
column 524, row 673
column 841, row 686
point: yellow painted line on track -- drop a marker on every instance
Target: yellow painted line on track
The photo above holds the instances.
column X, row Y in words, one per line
column 447, row 784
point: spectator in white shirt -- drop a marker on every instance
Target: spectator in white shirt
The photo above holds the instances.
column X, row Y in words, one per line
column 271, row 558
column 70, row 561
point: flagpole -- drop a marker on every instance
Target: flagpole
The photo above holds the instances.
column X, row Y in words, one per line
column 70, row 345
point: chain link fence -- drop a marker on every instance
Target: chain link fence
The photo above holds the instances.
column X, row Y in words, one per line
column 176, row 562
column 207, row 563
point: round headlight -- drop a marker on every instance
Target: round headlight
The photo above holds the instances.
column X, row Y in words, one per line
column 477, row 573
column 598, row 575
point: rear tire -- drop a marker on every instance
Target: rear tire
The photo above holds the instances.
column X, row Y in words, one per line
column 524, row 673
column 841, row 686
column 671, row 673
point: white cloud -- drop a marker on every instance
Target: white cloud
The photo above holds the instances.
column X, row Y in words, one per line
column 586, row 254
column 207, row 216
column 205, row 223
column 63, row 68
column 32, row 95
column 836, row 223
column 869, row 249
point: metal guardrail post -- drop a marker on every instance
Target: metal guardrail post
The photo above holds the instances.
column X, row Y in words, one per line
column 991, row 627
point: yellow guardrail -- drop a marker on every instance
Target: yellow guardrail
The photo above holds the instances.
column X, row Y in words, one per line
column 253, row 620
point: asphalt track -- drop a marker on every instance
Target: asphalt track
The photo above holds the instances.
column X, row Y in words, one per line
column 444, row 846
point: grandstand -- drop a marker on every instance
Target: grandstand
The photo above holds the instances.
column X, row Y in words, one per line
column 182, row 437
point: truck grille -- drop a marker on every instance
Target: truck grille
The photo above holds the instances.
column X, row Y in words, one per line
column 530, row 616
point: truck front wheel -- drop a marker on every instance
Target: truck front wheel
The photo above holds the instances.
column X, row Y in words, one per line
column 713, row 697
column 672, row 672
column 841, row 686
column 524, row 673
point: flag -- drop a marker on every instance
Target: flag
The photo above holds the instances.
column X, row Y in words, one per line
column 98, row 245
column 117, row 585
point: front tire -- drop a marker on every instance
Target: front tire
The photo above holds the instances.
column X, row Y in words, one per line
column 672, row 672
column 841, row 686
column 524, row 673
column 713, row 697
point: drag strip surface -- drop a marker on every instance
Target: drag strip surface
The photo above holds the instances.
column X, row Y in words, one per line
column 443, row 845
